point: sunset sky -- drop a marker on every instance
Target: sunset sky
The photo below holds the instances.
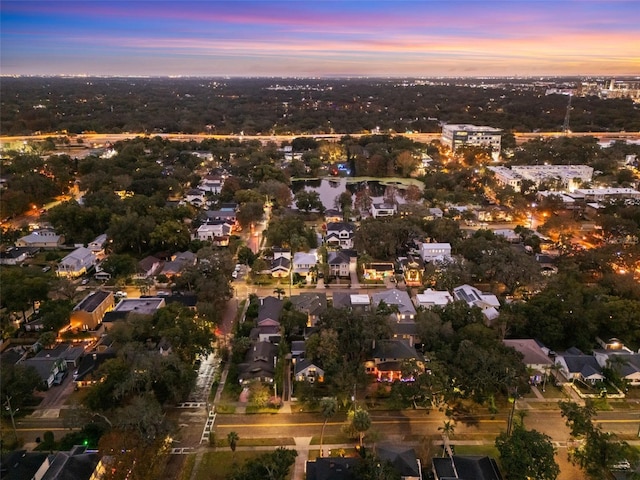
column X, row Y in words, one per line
column 320, row 38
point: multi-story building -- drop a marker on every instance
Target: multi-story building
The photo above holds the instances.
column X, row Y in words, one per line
column 457, row 135
column 570, row 176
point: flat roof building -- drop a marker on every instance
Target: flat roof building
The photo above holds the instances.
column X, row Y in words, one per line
column 457, row 135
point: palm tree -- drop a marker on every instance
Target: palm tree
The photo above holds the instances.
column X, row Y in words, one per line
column 447, row 430
column 279, row 291
column 361, row 422
column 233, row 438
column 328, row 408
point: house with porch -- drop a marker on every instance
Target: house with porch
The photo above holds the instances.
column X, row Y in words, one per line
column 77, row 263
column 534, row 357
column 259, row 363
column 575, row 365
column 399, row 302
column 304, row 262
column 342, row 263
column 306, row 371
column 45, row 238
column 390, row 357
column 339, row 235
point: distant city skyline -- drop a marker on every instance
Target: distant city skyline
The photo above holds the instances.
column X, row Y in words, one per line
column 322, row 38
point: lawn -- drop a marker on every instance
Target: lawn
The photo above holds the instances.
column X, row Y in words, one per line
column 218, row 465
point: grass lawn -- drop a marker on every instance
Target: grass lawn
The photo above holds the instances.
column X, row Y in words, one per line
column 257, row 442
column 489, row 450
column 218, row 465
column 187, row 468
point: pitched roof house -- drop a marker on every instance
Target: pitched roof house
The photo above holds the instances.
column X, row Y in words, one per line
column 76, row 263
column 339, row 235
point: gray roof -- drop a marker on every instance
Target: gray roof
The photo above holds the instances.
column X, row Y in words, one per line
column 310, row 303
column 586, row 365
column 270, row 307
column 332, row 468
column 396, row 297
column 74, row 465
column 403, row 459
column 468, row 467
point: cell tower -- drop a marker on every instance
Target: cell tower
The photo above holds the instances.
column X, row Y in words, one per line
column 565, row 125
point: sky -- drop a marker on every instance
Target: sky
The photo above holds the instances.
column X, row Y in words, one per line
column 321, row 38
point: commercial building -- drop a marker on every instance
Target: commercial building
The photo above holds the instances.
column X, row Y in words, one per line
column 457, row 135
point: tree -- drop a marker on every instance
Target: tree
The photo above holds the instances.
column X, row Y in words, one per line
column 447, row 429
column 308, row 201
column 373, row 467
column 279, row 291
column 527, row 454
column 119, row 265
column 268, row 466
column 18, row 382
column 361, row 422
column 328, row 408
column 232, row 439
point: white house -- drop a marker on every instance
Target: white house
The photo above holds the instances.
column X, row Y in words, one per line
column 487, row 302
column 435, row 251
column 304, row 261
column 433, row 298
column 211, row 184
column 383, row 210
column 97, row 245
column 340, row 235
column 213, row 231
column 76, row 263
column 41, row 239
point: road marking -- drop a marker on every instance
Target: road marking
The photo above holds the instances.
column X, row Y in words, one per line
column 315, row 424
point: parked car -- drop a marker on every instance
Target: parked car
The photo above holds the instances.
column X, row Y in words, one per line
column 121, row 294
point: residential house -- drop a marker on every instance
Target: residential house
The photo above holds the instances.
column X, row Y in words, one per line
column 215, row 231
column 534, row 356
column 624, row 361
column 86, row 373
column 77, row 263
column 340, row 235
column 376, row 271
column 226, row 213
column 97, row 245
column 259, row 363
column 44, row 238
column 16, row 255
column 50, row 364
column 487, row 302
column 342, row 263
column 434, row 213
column 269, row 310
column 465, row 467
column 389, row 358
column 403, row 459
column 508, row 234
column 399, row 302
column 195, row 197
column 332, row 215
column 575, row 365
column 306, row 371
column 312, row 304
column 332, row 468
column 298, row 348
column 178, row 263
column 433, row 298
column 383, row 210
column 412, row 270
column 211, row 184
column 148, row 267
column 88, row 314
column 267, row 332
column 430, row 252
column 21, row 464
column 355, row 302
column 281, row 263
column 77, row 464
column 304, row 263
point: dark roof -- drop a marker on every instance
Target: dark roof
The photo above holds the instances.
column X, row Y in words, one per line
column 302, row 364
column 20, row 464
column 403, row 459
column 59, row 351
column 310, row 303
column 394, row 349
column 586, row 365
column 114, row 316
column 270, row 307
column 337, row 226
column 91, row 362
column 339, row 257
column 92, row 301
column 10, row 357
column 281, row 262
column 477, row 468
column 74, row 465
column 332, row 468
